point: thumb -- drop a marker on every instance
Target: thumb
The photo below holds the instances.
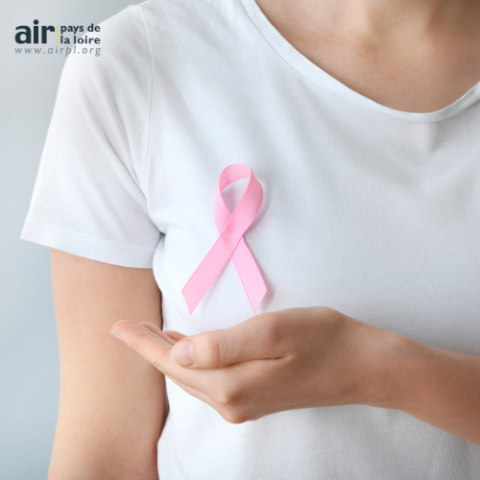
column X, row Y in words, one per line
column 249, row 340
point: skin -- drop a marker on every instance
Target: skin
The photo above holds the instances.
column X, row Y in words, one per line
column 416, row 56
column 314, row 357
column 112, row 408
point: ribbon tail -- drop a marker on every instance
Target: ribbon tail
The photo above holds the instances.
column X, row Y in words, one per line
column 249, row 274
column 208, row 270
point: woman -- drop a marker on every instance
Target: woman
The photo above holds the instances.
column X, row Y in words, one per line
column 360, row 122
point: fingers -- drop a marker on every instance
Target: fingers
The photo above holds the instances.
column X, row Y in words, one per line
column 153, row 347
column 174, row 335
column 154, row 329
column 256, row 338
column 228, row 390
column 156, row 349
column 232, row 403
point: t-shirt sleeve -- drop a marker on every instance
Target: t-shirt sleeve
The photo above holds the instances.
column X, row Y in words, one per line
column 90, row 196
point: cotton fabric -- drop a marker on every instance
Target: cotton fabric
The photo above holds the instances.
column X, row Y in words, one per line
column 369, row 210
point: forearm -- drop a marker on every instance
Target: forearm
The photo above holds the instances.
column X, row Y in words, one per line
column 437, row 386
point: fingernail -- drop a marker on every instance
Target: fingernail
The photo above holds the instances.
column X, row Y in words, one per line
column 183, row 353
column 116, row 335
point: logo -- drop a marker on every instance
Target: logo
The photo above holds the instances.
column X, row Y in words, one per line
column 70, row 36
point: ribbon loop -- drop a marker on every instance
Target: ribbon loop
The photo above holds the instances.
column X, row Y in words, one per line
column 230, row 243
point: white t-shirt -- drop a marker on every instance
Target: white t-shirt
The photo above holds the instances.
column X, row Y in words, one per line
column 369, row 210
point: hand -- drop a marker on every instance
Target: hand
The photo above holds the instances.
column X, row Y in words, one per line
column 272, row 362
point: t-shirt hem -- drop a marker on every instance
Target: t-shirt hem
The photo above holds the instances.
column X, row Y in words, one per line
column 85, row 245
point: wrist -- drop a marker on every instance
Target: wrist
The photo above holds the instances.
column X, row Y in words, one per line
column 387, row 360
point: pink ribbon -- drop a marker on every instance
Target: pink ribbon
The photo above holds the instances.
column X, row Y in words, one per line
column 230, row 243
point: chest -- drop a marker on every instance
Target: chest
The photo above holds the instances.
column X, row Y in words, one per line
column 383, row 231
column 372, row 215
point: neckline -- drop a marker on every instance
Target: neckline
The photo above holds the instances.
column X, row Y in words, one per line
column 315, row 74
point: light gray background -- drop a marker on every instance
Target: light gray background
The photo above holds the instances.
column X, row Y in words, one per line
column 29, row 366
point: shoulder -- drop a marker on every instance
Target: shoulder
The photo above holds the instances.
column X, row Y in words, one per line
column 130, row 39
column 172, row 23
column 118, row 46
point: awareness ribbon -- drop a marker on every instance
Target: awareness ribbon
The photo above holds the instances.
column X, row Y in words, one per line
column 230, row 243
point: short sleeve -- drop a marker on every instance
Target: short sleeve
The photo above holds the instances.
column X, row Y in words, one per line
column 90, row 197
